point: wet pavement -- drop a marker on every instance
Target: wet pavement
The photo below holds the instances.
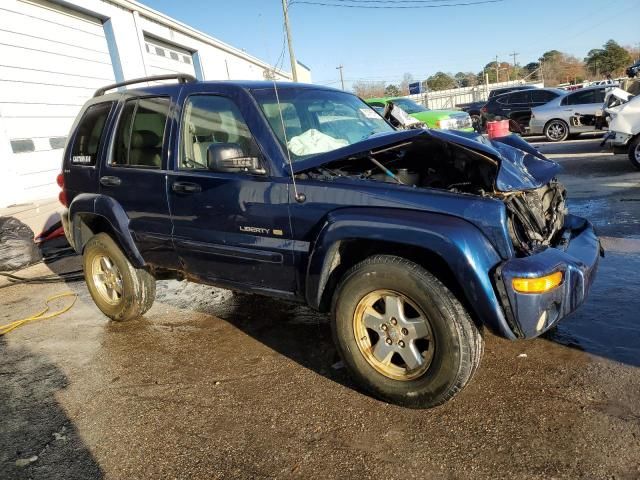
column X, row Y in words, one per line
column 212, row 384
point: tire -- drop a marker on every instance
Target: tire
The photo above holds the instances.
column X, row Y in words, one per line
column 121, row 291
column 634, row 151
column 442, row 346
column 556, row 130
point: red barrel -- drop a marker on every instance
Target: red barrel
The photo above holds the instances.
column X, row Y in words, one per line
column 498, row 129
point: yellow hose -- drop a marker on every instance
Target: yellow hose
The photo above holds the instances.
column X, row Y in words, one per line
column 4, row 329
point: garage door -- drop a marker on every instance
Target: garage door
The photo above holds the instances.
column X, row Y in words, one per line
column 164, row 58
column 52, row 60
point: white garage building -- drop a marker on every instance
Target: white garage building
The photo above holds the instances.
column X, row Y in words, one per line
column 55, row 54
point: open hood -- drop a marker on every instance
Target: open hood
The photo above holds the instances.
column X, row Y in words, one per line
column 520, row 166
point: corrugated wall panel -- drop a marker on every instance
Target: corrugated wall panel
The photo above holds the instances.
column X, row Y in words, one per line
column 51, row 61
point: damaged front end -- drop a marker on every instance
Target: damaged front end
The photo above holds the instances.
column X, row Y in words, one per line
column 548, row 271
column 507, row 169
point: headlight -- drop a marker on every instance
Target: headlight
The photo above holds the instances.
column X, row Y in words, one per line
column 447, row 123
column 455, row 122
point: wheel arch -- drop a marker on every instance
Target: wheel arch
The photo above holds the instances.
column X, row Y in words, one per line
column 92, row 214
column 452, row 249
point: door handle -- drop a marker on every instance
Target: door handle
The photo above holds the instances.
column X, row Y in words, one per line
column 109, row 181
column 186, row 187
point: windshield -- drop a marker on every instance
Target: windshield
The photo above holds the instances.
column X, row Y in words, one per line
column 409, row 106
column 318, row 121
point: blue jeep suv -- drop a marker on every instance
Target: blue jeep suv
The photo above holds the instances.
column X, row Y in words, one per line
column 414, row 240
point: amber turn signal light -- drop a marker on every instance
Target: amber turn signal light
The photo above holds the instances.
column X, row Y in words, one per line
column 537, row 285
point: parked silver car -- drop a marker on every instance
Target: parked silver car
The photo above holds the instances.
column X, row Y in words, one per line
column 569, row 114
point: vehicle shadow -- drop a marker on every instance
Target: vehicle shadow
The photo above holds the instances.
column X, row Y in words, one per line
column 293, row 330
column 37, row 439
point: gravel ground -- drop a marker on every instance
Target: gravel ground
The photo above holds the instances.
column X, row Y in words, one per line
column 211, row 384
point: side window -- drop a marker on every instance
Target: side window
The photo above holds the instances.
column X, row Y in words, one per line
column 503, row 99
column 89, row 134
column 211, row 119
column 600, row 94
column 519, row 98
column 581, row 98
column 140, row 133
column 542, row 96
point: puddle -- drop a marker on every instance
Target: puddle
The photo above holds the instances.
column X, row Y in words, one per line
column 608, row 324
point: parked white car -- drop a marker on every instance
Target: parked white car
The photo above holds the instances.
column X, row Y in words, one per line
column 624, row 128
column 569, row 114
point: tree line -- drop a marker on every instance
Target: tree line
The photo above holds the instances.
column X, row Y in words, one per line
column 553, row 67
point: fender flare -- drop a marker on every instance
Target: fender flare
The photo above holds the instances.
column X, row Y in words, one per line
column 90, row 205
column 461, row 245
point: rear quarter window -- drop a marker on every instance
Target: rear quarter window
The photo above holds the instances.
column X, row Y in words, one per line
column 89, row 134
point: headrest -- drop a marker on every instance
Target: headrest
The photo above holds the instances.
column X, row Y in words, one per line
column 144, row 139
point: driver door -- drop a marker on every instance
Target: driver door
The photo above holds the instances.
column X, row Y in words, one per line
column 231, row 229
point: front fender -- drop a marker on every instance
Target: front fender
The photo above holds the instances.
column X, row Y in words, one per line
column 462, row 246
column 88, row 207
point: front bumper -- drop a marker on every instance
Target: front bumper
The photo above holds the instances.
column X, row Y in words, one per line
column 577, row 257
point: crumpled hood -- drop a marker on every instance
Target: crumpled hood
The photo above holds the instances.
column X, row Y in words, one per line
column 520, row 166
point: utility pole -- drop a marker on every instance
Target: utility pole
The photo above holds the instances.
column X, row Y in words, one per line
column 514, row 55
column 341, row 77
column 497, row 70
column 292, row 57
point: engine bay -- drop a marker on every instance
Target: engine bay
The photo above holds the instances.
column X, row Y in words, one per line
column 535, row 216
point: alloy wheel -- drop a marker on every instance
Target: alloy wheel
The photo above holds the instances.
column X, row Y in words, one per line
column 107, row 279
column 393, row 334
column 556, row 131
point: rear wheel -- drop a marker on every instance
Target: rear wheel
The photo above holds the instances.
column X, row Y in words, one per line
column 120, row 290
column 402, row 334
column 634, row 151
column 556, row 131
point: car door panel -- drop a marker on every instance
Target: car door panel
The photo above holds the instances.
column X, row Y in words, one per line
column 229, row 228
column 134, row 174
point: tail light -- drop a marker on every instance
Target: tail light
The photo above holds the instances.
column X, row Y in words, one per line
column 62, row 196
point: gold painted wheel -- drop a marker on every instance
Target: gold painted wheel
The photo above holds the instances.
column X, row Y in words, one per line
column 107, row 279
column 393, row 334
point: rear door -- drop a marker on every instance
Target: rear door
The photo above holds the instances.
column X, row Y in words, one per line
column 582, row 106
column 134, row 175
column 229, row 228
column 519, row 107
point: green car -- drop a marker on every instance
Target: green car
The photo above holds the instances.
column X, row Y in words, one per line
column 442, row 119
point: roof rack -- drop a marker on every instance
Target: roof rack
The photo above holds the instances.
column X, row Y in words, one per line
column 181, row 77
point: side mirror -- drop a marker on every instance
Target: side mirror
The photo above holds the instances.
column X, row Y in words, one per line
column 230, row 158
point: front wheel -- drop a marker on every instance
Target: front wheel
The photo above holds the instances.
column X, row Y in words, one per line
column 402, row 334
column 634, row 151
column 120, row 290
column 556, row 131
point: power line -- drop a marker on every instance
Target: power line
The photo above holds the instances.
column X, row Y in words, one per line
column 389, row 7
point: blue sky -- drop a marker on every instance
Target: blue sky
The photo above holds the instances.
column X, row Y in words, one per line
column 383, row 44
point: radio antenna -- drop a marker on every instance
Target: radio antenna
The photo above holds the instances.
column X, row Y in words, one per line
column 298, row 196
